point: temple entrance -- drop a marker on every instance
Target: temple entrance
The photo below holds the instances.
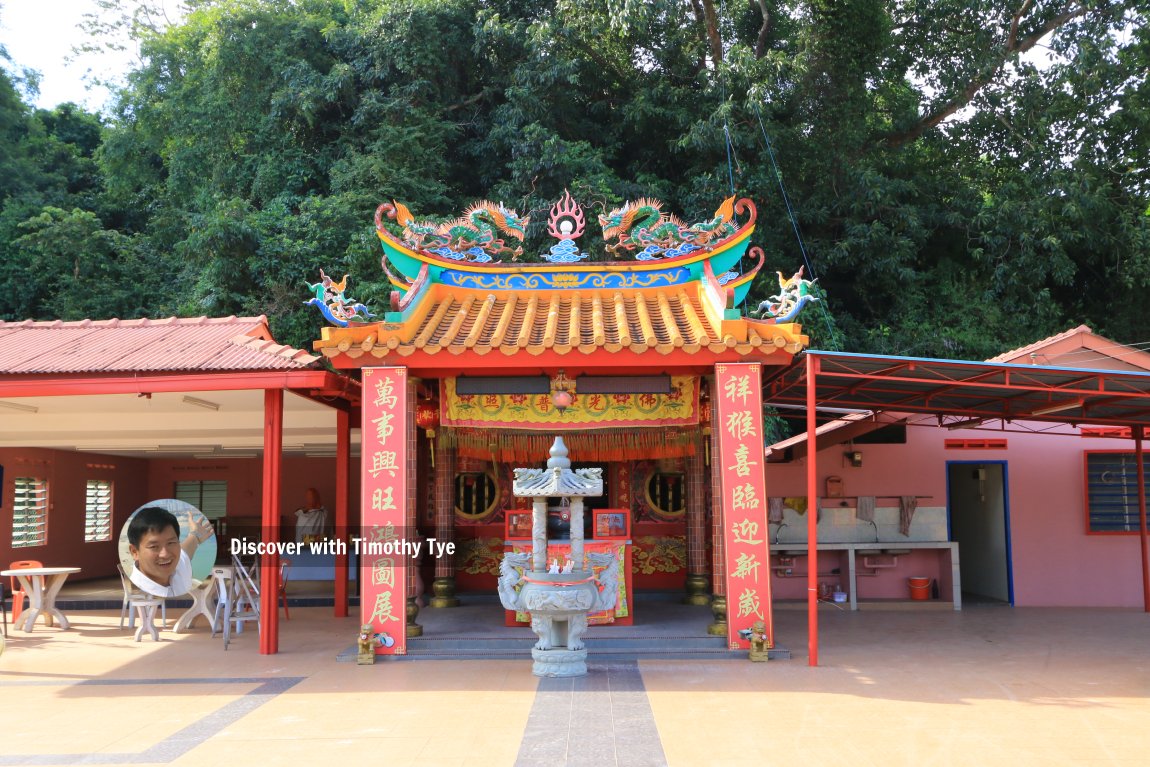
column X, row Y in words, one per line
column 642, row 512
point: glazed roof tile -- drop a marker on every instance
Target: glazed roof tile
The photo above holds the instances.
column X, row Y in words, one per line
column 145, row 345
column 562, row 322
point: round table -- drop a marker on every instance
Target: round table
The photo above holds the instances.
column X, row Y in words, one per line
column 41, row 584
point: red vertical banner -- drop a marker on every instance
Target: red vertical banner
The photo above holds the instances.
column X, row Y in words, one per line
column 738, row 422
column 383, row 549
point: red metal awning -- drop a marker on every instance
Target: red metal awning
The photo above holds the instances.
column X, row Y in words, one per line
column 967, row 393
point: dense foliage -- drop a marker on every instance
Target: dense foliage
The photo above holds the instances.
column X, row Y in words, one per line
column 966, row 176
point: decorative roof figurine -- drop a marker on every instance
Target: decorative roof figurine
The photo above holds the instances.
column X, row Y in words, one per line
column 566, row 224
column 336, row 307
column 470, row 252
column 794, row 293
column 472, row 237
column 643, row 224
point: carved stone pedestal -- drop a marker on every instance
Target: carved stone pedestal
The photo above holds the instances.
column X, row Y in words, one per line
column 559, row 662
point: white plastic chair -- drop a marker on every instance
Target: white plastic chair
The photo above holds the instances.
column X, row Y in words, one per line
column 222, row 578
column 134, row 598
column 238, row 600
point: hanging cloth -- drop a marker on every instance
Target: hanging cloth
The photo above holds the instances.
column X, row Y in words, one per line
column 797, row 504
column 906, row 506
column 774, row 510
column 865, row 510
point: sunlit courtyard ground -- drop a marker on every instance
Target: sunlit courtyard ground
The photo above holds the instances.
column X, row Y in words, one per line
column 990, row 685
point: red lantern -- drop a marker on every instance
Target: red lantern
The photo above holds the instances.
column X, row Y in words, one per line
column 427, row 416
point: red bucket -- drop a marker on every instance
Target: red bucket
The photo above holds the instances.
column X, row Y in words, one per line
column 919, row 588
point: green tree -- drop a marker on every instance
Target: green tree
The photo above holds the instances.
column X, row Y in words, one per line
column 955, row 191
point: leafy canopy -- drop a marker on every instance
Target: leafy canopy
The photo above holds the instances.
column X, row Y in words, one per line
column 965, row 176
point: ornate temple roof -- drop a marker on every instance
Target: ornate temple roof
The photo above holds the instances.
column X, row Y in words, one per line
column 461, row 289
column 620, row 322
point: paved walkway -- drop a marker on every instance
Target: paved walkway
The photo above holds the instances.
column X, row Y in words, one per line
column 985, row 686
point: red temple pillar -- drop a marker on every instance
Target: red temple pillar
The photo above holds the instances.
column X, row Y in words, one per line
column 270, row 570
column 718, row 555
column 1142, row 536
column 812, row 519
column 411, row 517
column 342, row 511
column 698, row 585
column 443, row 589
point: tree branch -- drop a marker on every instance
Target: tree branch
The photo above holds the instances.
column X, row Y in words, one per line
column 471, row 100
column 714, row 40
column 1013, row 38
column 761, row 42
column 1011, row 49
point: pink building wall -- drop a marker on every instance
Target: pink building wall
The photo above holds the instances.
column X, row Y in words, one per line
column 67, row 474
column 135, row 482
column 1054, row 561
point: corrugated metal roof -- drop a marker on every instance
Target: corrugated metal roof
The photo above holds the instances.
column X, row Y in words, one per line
column 145, row 345
column 974, row 391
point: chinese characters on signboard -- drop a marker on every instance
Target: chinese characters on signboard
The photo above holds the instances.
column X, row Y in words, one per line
column 383, row 576
column 739, row 423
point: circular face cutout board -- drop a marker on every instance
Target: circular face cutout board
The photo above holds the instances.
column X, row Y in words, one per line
column 189, row 518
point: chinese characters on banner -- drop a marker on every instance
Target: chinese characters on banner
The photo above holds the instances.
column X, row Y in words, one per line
column 383, row 577
column 739, row 424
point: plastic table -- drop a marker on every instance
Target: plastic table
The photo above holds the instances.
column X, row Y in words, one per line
column 41, row 593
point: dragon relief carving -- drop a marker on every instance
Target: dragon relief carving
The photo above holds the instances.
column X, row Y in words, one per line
column 477, row 235
column 642, row 223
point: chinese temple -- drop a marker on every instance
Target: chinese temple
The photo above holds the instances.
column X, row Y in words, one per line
column 638, row 357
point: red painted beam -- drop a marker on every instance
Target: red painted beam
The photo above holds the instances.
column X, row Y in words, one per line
column 51, row 386
column 623, row 362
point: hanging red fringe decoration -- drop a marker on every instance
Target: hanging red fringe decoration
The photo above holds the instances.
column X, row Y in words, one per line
column 604, row 446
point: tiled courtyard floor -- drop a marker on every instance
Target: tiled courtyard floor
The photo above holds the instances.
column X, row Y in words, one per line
column 984, row 686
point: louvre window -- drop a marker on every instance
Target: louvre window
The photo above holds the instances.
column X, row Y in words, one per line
column 209, row 496
column 1112, row 491
column 98, row 511
column 30, row 513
